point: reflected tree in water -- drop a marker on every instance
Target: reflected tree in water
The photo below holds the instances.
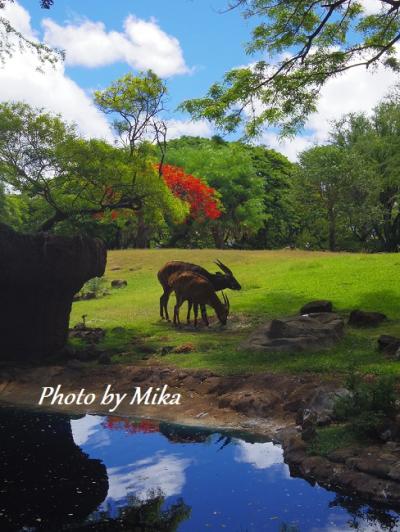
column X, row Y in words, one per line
column 378, row 518
column 142, row 516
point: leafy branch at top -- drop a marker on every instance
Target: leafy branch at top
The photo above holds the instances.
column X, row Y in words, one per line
column 302, row 44
column 11, row 39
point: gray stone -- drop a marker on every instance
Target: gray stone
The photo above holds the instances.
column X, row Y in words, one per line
column 297, row 334
column 88, row 295
column 166, row 349
column 317, row 306
column 360, row 318
column 119, row 283
column 389, row 344
column 323, row 404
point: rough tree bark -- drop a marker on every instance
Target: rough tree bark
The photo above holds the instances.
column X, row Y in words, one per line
column 39, row 275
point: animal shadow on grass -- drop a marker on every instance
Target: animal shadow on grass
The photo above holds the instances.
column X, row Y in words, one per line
column 278, row 304
column 386, row 301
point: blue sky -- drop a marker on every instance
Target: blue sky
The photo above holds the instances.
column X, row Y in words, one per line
column 211, row 41
column 188, row 42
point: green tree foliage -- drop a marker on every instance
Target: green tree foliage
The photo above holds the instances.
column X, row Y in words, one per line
column 320, row 180
column 135, row 104
column 349, row 190
column 281, row 214
column 251, row 183
column 374, row 145
column 306, row 43
column 17, row 211
column 70, row 180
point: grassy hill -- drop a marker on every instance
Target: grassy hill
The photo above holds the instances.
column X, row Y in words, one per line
column 274, row 284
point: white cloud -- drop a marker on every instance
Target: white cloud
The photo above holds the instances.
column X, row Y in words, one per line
column 371, row 7
column 19, row 19
column 165, row 473
column 50, row 88
column 142, row 44
column 178, row 128
column 259, row 455
column 88, row 43
column 291, row 147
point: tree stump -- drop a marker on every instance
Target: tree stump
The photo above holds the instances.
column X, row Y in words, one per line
column 39, row 275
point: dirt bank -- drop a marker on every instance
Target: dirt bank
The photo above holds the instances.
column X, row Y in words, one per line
column 266, row 404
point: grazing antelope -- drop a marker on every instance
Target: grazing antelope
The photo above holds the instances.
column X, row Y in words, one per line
column 218, row 280
column 198, row 291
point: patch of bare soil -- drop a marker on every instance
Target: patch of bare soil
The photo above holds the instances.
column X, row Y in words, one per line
column 261, row 403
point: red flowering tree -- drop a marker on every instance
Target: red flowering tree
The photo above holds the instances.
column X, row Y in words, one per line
column 203, row 200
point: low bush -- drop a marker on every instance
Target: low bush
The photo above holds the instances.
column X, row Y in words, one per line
column 370, row 405
column 96, row 286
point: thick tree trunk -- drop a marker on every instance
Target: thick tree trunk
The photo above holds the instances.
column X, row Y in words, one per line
column 218, row 236
column 39, row 275
column 331, row 229
column 142, row 235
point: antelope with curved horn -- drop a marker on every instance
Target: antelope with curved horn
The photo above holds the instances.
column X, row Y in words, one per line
column 218, row 280
column 198, row 291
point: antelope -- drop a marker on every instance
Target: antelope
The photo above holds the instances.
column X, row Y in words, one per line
column 218, row 280
column 198, row 291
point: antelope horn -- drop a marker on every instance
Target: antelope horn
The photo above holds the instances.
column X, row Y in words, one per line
column 223, row 267
column 226, row 301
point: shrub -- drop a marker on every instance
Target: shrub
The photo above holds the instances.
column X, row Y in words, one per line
column 96, row 286
column 369, row 406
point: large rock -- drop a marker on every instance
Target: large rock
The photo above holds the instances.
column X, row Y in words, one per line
column 388, row 344
column 322, row 405
column 360, row 318
column 119, row 283
column 317, row 306
column 298, row 333
column 39, row 275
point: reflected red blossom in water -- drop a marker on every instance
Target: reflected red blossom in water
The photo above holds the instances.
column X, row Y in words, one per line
column 133, row 427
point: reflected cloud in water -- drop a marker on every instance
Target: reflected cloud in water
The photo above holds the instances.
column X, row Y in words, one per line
column 159, row 473
column 120, row 473
column 259, row 455
column 88, row 428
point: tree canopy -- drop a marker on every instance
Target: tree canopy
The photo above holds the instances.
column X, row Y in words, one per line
column 233, row 170
column 67, row 177
column 298, row 45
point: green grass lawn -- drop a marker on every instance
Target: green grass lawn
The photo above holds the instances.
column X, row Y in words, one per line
column 274, row 284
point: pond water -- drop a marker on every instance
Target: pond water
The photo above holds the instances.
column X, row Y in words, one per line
column 109, row 473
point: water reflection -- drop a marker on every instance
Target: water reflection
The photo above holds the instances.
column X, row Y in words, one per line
column 161, row 472
column 46, row 479
column 97, row 473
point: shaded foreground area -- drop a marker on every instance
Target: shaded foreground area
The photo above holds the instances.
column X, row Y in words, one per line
column 125, row 474
column 267, row 404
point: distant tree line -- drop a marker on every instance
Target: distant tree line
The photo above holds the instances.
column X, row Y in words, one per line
column 143, row 191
